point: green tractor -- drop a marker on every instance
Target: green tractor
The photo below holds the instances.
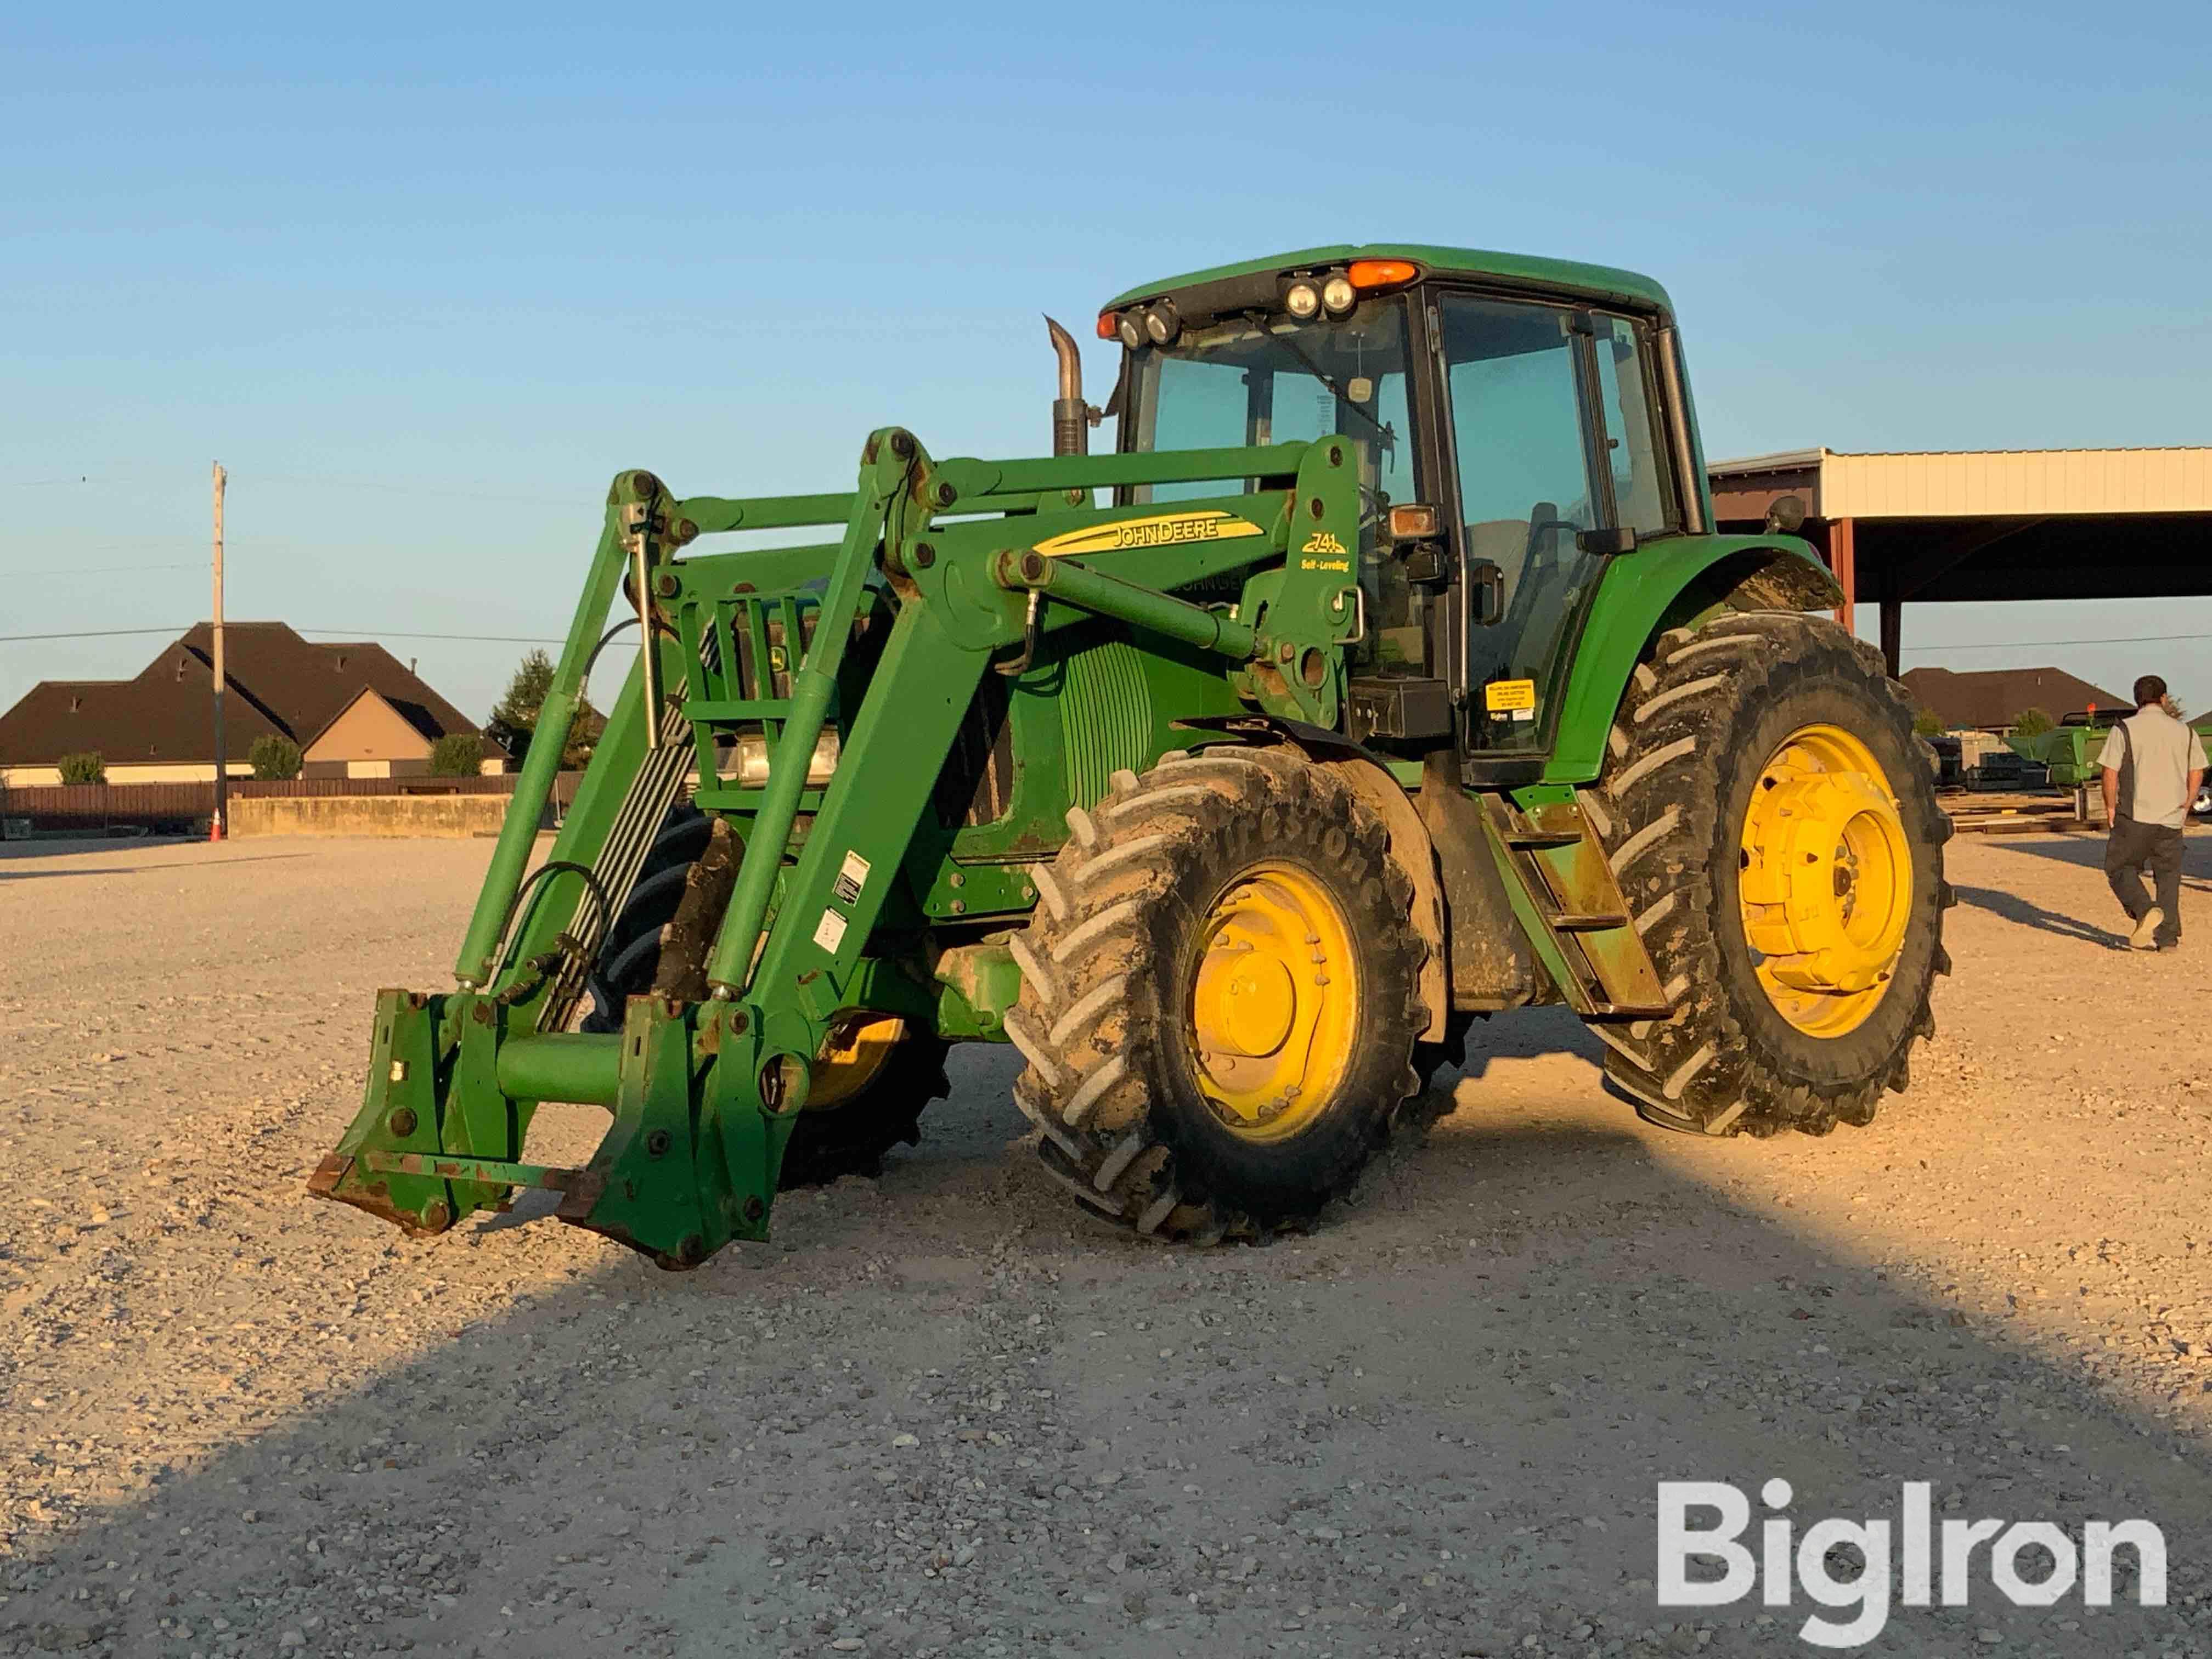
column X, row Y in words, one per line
column 1390, row 675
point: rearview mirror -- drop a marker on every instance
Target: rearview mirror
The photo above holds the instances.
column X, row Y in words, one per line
column 1785, row 516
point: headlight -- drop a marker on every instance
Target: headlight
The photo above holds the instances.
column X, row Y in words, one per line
column 1338, row 295
column 1303, row 300
column 1162, row 323
column 1132, row 328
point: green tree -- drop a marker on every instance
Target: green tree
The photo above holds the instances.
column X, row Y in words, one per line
column 1927, row 723
column 2030, row 722
column 526, row 692
column 84, row 767
column 274, row 757
column 457, row 755
column 514, row 716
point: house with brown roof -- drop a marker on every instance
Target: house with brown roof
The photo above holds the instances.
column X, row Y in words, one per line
column 354, row 710
column 1990, row 700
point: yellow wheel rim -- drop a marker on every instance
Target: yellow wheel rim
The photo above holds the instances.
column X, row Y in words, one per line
column 855, row 1053
column 1274, row 1002
column 1826, row 880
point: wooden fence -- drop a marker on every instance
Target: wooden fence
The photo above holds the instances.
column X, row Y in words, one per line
column 186, row 808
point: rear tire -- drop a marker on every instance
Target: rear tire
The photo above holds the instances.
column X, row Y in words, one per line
column 1715, row 714
column 848, row 1137
column 1220, row 996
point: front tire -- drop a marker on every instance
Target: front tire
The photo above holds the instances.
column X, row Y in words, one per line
column 1220, row 996
column 1771, row 818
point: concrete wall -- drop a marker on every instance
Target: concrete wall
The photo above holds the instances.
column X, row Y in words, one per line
column 368, row 815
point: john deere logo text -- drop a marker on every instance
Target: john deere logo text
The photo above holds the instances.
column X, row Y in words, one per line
column 1162, row 530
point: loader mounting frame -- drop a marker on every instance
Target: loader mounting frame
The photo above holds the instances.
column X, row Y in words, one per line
column 942, row 568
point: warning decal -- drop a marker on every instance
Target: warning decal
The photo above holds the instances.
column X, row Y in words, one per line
column 1506, row 696
column 852, row 876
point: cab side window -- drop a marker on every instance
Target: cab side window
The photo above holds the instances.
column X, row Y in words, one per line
column 1624, row 397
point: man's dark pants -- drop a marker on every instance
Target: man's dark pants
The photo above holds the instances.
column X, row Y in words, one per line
column 2135, row 846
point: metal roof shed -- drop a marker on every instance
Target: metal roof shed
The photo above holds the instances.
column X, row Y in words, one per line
column 2034, row 523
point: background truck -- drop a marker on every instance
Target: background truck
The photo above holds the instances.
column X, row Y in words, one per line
column 1389, row 676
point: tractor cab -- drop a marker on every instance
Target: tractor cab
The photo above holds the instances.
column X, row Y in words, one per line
column 1520, row 423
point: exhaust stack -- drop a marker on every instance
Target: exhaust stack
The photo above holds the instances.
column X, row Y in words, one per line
column 1071, row 416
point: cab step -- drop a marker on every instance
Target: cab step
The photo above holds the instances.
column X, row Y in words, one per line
column 1535, row 840
column 1566, row 889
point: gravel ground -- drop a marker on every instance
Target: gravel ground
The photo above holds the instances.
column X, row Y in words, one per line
column 944, row 1413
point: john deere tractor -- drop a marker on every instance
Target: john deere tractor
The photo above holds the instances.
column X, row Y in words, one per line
column 1389, row 676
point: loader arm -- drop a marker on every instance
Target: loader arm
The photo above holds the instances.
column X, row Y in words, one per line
column 882, row 640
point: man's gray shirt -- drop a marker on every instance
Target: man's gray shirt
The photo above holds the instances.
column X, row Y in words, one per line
column 2154, row 753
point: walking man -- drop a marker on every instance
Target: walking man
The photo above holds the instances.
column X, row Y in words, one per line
column 2151, row 766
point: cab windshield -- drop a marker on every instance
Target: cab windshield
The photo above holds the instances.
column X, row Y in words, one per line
column 1269, row 380
column 1257, row 381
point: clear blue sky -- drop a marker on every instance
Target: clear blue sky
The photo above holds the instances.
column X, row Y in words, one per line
column 423, row 282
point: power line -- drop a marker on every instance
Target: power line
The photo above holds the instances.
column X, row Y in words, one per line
column 2038, row 644
column 553, row 639
column 342, row 632
column 297, row 480
column 96, row 570
column 472, row 638
column 387, row 487
column 96, row 634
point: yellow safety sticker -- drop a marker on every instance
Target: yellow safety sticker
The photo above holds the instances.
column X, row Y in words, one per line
column 1160, row 530
column 1504, row 697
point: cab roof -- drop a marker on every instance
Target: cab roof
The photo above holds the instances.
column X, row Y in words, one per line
column 1520, row 270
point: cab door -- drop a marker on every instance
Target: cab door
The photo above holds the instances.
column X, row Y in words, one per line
column 1555, row 462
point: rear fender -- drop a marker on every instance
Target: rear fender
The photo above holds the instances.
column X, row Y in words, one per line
column 1670, row 584
column 1410, row 849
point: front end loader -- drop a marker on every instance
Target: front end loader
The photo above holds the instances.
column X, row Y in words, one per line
column 1391, row 674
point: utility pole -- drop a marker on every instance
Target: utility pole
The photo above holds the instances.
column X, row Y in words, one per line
column 219, row 827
